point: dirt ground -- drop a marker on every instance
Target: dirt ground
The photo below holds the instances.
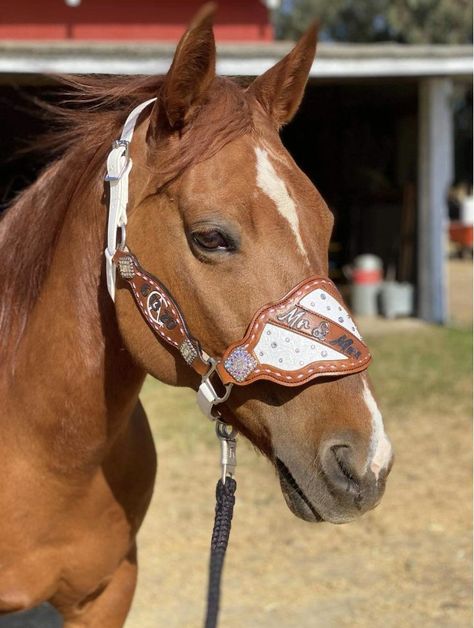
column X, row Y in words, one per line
column 406, row 564
column 459, row 278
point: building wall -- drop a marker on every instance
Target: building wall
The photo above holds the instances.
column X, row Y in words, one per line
column 165, row 20
column 357, row 141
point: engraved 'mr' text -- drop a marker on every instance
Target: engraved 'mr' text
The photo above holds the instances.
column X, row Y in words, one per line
column 294, row 319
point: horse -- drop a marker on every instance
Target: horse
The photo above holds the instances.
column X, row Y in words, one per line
column 220, row 212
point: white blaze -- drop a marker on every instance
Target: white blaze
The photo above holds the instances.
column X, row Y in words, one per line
column 271, row 185
column 380, row 452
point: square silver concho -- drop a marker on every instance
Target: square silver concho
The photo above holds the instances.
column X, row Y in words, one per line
column 126, row 267
column 240, row 364
column 188, row 351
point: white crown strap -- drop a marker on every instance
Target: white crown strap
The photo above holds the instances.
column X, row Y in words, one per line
column 119, row 165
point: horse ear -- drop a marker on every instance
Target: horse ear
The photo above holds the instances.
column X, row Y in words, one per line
column 192, row 70
column 280, row 89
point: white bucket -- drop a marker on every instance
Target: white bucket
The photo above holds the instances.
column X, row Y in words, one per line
column 467, row 211
column 366, row 282
column 396, row 299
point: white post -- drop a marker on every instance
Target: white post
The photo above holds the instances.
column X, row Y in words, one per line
column 435, row 173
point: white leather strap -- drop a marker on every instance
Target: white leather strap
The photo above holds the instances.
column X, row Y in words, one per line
column 119, row 166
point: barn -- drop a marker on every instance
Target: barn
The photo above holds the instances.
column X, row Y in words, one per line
column 384, row 130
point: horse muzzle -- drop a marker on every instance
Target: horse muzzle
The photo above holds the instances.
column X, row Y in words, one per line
column 334, row 490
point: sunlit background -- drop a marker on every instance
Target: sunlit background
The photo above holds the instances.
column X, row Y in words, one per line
column 385, row 133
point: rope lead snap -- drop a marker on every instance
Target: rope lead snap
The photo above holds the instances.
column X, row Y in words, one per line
column 227, row 439
column 225, row 500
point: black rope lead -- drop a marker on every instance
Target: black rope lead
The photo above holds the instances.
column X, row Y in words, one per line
column 225, row 500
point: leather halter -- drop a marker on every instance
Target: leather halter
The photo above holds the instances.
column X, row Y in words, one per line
column 307, row 334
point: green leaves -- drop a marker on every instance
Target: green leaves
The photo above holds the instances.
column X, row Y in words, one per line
column 404, row 21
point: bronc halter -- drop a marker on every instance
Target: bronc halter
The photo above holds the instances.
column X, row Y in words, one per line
column 306, row 334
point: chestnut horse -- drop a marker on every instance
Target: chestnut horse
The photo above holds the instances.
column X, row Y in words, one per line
column 219, row 211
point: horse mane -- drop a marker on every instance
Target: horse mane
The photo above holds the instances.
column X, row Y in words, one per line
column 90, row 115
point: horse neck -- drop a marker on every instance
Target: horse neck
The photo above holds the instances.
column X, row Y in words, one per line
column 71, row 365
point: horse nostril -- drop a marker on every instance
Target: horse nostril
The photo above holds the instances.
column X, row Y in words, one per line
column 347, row 480
column 340, row 472
column 342, row 453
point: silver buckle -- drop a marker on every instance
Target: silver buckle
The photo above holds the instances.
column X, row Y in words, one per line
column 125, row 144
column 207, row 396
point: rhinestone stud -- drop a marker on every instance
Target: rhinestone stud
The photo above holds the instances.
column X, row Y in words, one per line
column 126, row 268
column 188, row 351
column 240, row 364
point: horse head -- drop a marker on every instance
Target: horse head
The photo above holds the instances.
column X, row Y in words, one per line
column 222, row 215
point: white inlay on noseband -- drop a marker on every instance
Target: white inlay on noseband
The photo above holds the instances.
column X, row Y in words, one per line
column 271, row 184
column 290, row 351
column 322, row 303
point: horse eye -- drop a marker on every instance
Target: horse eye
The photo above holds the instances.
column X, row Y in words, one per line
column 212, row 240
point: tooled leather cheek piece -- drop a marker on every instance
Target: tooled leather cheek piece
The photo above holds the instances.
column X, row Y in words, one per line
column 307, row 334
column 160, row 310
